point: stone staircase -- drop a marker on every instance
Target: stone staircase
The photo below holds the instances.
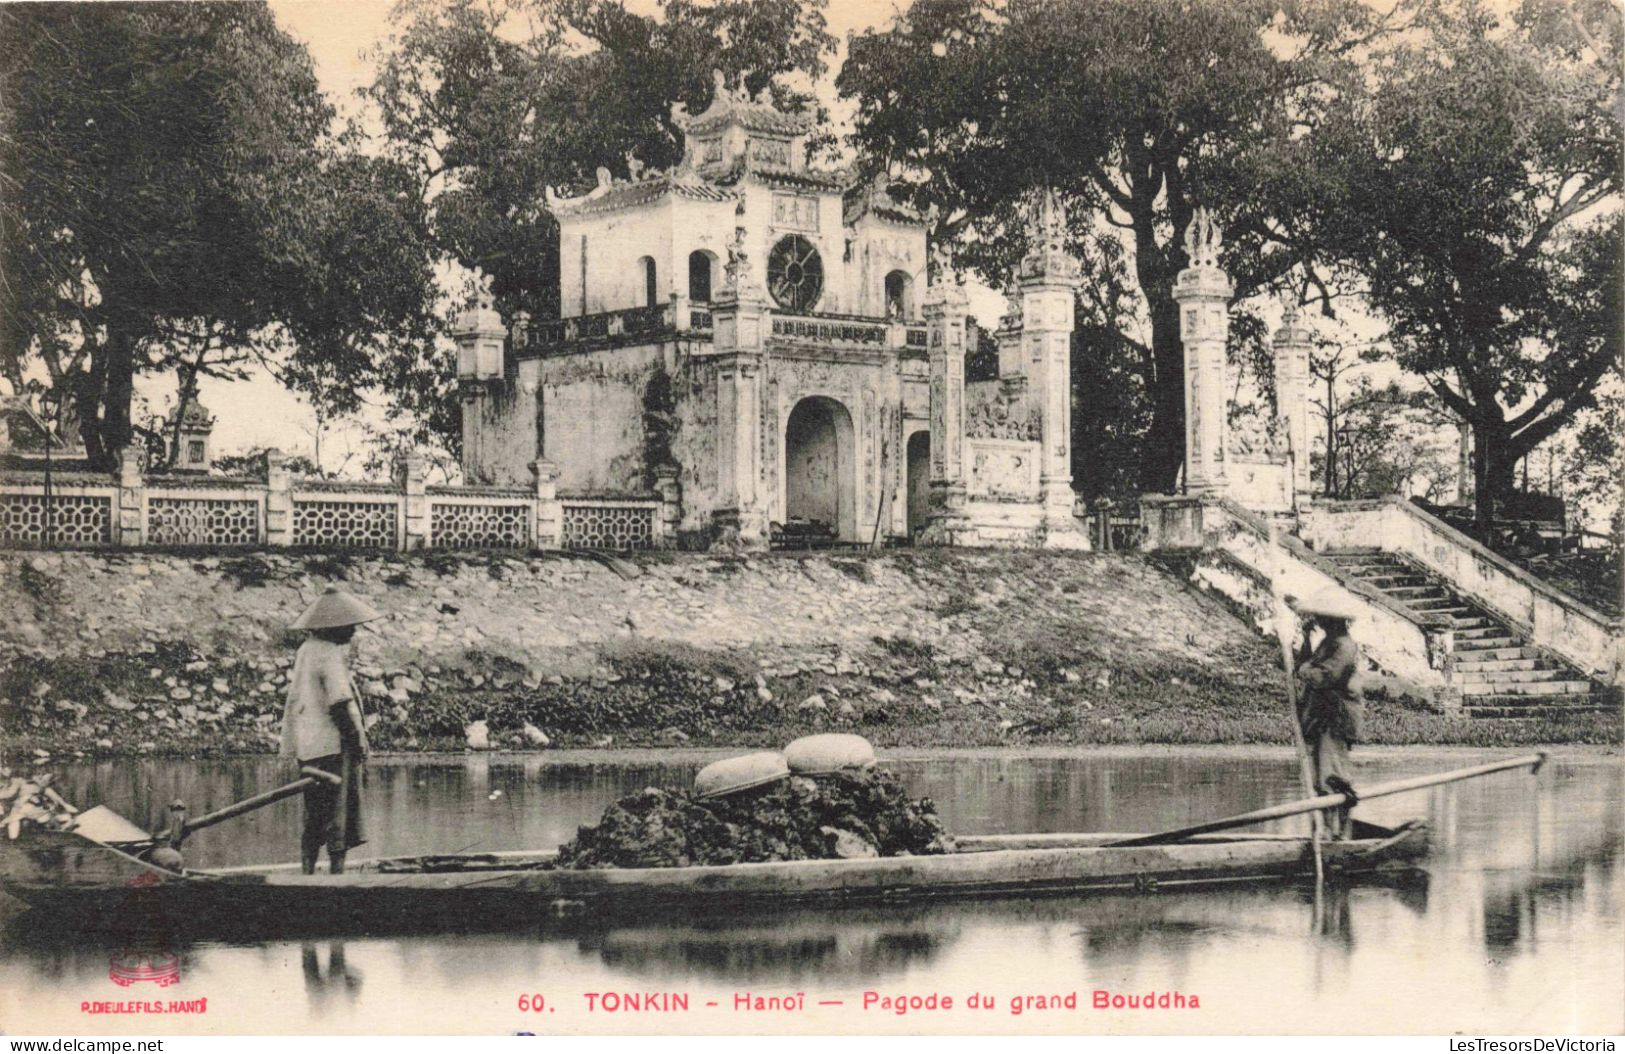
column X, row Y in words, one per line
column 1498, row 673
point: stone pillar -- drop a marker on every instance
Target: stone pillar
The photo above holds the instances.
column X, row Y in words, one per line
column 409, row 476
column 945, row 306
column 1049, row 279
column 670, row 489
column 1203, row 293
column 130, row 516
column 740, row 322
column 480, row 335
column 278, row 499
column 1292, row 343
column 741, row 515
column 547, row 528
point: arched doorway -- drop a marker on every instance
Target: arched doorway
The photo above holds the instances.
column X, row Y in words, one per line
column 919, row 482
column 819, row 476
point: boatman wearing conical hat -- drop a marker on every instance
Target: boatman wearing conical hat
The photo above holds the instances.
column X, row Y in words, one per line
column 1329, row 701
column 322, row 726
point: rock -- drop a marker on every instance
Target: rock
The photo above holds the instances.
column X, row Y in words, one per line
column 846, row 712
column 814, row 702
column 603, row 741
column 848, row 845
column 42, row 689
column 180, row 694
column 931, row 703
column 366, row 722
column 764, row 694
column 674, row 735
column 398, row 695
column 535, row 736
column 114, row 701
column 723, row 684
column 104, row 744
column 196, row 666
column 882, row 695
column 477, row 734
column 220, row 686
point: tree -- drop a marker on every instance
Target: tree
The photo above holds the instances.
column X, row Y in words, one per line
column 154, row 165
column 1135, row 112
column 1478, row 179
column 179, row 202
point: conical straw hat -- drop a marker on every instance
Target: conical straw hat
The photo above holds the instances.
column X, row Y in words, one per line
column 1326, row 604
column 335, row 608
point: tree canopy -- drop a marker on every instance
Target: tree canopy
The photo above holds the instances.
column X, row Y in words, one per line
column 173, row 199
column 1477, row 197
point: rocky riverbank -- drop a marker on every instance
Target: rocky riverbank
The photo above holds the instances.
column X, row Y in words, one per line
column 118, row 654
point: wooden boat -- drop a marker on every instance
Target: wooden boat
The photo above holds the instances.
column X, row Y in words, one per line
column 72, row 881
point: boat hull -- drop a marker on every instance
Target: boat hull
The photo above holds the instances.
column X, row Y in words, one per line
column 72, row 882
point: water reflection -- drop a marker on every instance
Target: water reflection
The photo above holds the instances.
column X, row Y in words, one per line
column 336, row 987
column 1517, row 927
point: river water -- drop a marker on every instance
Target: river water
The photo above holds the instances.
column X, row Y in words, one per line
column 1517, row 927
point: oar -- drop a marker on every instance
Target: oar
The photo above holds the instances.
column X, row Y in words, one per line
column 1284, row 626
column 180, row 827
column 1533, row 762
column 309, row 777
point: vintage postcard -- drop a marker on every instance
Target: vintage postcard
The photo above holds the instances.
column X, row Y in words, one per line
column 803, row 517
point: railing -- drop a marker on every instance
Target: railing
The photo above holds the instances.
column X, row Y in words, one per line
column 837, row 330
column 133, row 509
column 681, row 316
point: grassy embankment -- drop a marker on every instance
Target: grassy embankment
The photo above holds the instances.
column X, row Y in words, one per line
column 147, row 653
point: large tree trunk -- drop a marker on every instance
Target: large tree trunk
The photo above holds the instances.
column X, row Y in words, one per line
column 1492, row 468
column 104, row 400
column 116, row 430
column 1165, row 441
column 87, row 397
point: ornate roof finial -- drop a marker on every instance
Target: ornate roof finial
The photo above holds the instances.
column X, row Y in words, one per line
column 1203, row 239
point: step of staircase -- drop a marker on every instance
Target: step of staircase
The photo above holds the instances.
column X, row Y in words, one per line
column 1531, row 688
column 1512, row 706
column 1466, row 668
column 1493, row 654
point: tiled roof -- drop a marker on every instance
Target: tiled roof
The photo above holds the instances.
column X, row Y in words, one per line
column 642, row 192
column 753, row 117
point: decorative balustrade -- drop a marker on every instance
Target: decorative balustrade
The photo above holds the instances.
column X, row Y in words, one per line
column 131, row 509
column 664, row 321
column 610, row 524
column 71, row 518
column 836, row 330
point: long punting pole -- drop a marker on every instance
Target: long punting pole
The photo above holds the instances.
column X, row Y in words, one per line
column 1532, row 762
column 1306, row 772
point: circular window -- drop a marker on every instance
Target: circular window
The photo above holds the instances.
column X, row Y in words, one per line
column 795, row 274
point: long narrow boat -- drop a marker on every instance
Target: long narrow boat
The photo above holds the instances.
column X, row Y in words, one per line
column 69, row 880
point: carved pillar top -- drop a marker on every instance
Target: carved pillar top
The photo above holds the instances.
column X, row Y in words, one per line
column 1203, row 280
column 1047, row 262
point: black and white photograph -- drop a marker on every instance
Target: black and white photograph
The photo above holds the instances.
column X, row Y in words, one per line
column 606, row 518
